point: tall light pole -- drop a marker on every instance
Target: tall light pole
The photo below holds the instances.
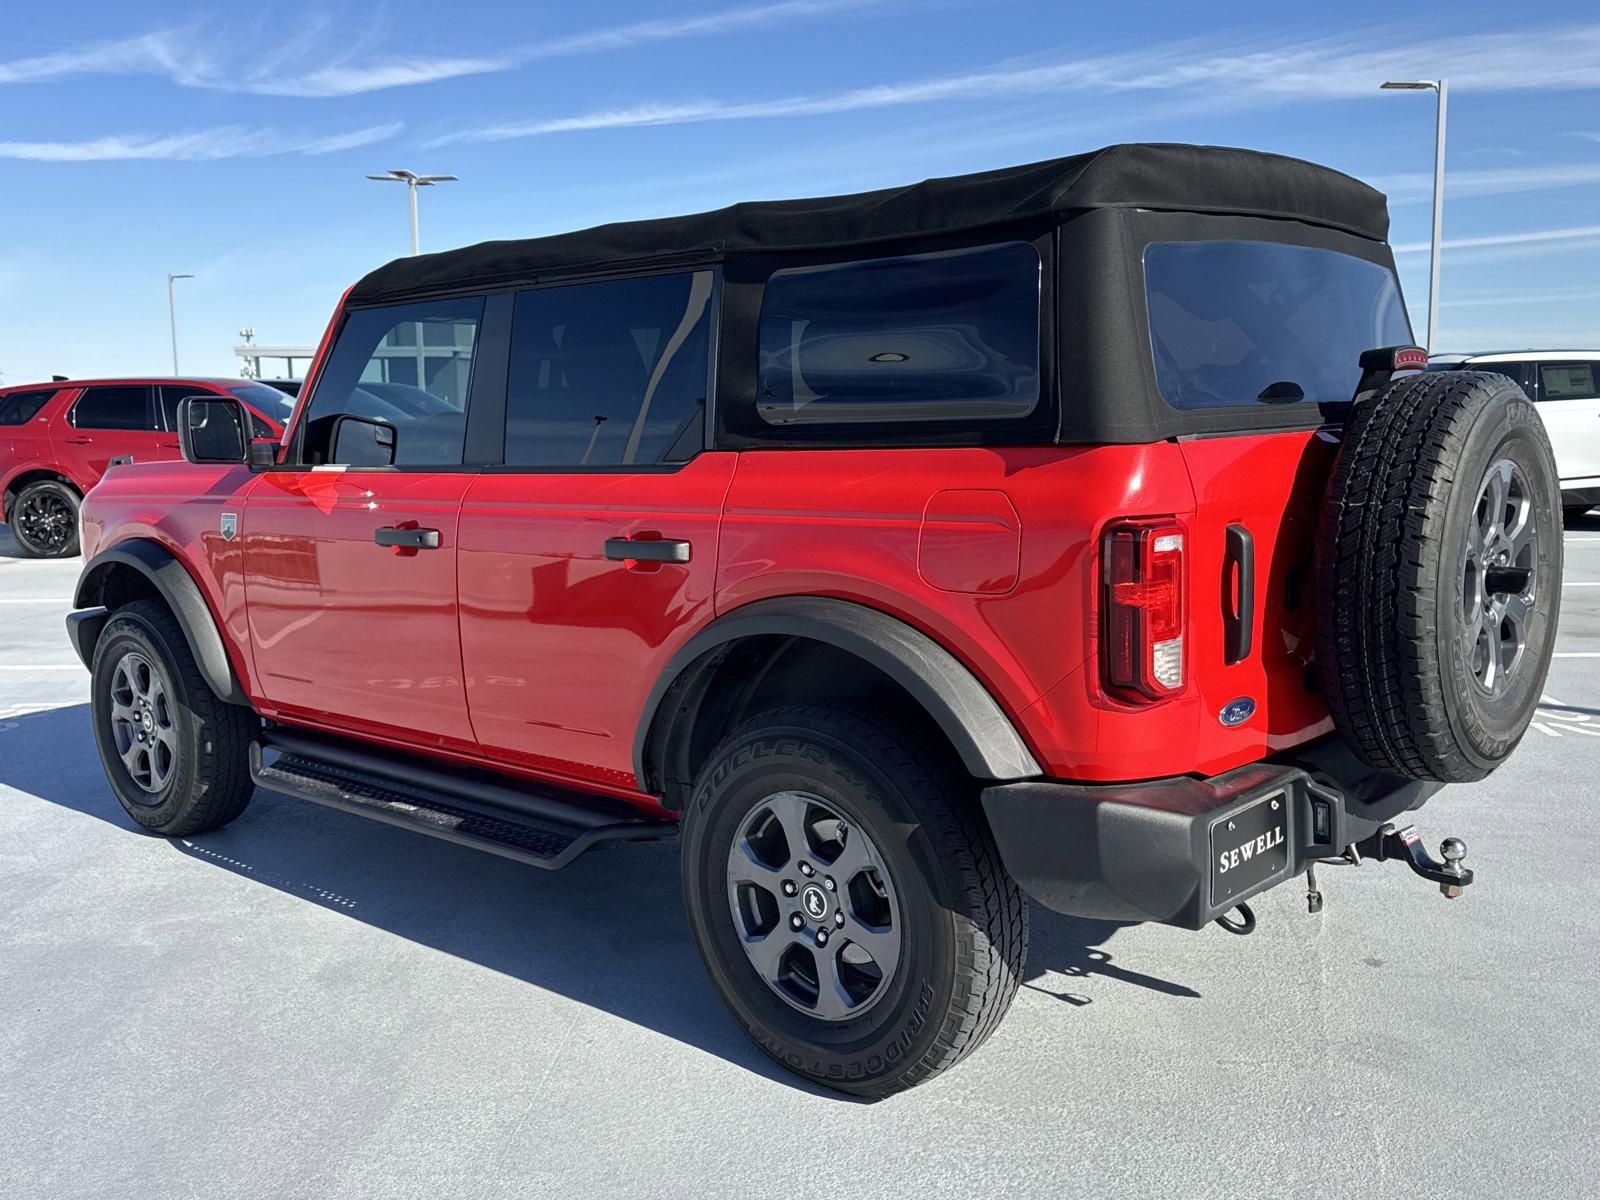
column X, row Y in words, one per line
column 413, row 181
column 1441, row 88
column 172, row 317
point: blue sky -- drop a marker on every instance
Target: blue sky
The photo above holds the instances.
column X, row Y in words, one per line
column 232, row 141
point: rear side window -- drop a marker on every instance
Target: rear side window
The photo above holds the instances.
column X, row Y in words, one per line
column 1241, row 323
column 925, row 337
column 610, row 374
column 404, row 371
column 1567, row 381
column 120, row 407
column 19, row 408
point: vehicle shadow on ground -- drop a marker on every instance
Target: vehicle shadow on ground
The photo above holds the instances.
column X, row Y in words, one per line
column 607, row 931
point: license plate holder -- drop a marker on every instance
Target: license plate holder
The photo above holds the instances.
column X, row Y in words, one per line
column 1249, row 847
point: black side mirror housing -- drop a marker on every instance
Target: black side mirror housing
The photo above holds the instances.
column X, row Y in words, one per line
column 218, row 429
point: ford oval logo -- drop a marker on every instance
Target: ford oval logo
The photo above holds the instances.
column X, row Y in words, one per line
column 1237, row 712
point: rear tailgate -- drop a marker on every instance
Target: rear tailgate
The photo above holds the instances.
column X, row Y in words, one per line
column 1257, row 648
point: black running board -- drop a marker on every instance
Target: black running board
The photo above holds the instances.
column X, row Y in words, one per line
column 544, row 830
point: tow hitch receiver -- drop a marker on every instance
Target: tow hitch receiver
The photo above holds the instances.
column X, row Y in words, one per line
column 1406, row 845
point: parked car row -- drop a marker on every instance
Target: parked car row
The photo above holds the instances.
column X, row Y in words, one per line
column 57, row 440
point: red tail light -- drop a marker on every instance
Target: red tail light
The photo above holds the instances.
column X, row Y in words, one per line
column 1142, row 605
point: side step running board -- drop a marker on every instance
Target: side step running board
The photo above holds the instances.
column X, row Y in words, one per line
column 558, row 834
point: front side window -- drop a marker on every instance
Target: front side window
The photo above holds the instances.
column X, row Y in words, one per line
column 1567, row 381
column 609, row 374
column 18, row 408
column 1246, row 323
column 122, row 407
column 951, row 336
column 400, row 375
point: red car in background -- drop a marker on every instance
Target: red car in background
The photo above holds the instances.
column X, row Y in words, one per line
column 57, row 439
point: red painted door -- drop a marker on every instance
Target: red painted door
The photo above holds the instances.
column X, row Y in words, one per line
column 346, row 632
column 106, row 421
column 562, row 641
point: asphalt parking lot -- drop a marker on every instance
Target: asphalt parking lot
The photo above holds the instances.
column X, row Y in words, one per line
column 310, row 1004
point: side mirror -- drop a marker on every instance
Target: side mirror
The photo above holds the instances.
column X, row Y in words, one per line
column 218, row 429
column 213, row 429
column 362, row 442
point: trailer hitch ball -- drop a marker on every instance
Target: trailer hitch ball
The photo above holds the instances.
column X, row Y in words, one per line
column 1452, row 850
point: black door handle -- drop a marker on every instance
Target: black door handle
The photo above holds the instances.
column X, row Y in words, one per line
column 1239, row 620
column 410, row 539
column 647, row 549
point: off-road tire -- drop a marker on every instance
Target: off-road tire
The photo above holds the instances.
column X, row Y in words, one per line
column 57, row 490
column 210, row 784
column 1392, row 549
column 965, row 920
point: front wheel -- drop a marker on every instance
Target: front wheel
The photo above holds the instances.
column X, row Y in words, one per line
column 176, row 755
column 44, row 520
column 846, row 899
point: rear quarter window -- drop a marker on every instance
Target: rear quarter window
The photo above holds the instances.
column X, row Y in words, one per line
column 948, row 336
column 1244, row 323
column 18, row 408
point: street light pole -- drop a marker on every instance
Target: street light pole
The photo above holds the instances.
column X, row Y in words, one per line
column 172, row 317
column 413, row 181
column 1441, row 88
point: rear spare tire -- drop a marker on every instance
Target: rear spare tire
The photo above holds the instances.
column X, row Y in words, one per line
column 1439, row 575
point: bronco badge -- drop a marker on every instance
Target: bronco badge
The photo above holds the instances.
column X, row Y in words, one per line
column 230, row 525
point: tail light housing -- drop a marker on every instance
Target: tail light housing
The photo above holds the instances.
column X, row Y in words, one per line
column 1142, row 604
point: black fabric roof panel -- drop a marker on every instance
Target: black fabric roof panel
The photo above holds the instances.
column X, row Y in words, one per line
column 1207, row 179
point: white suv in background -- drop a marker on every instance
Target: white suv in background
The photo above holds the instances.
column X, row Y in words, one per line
column 1563, row 383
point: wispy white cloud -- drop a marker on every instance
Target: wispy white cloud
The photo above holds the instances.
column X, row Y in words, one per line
column 1326, row 68
column 225, row 141
column 1418, row 185
column 194, row 56
column 1513, row 300
column 1573, row 233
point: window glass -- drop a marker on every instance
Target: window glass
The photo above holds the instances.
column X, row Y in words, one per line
column 406, row 367
column 1567, row 381
column 611, row 373
column 18, row 408
column 1235, row 323
column 926, row 337
column 270, row 401
column 125, row 407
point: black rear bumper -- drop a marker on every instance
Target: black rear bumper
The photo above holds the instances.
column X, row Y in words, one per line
column 1143, row 851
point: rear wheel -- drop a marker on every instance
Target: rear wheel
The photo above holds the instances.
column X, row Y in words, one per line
column 849, row 906
column 1439, row 575
column 176, row 755
column 44, row 520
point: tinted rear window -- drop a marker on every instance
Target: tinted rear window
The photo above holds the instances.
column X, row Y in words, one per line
column 926, row 337
column 18, row 408
column 1237, row 323
column 1567, row 381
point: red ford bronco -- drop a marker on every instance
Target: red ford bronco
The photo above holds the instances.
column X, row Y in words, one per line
column 1083, row 531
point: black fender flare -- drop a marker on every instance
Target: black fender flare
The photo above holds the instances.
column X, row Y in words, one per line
column 173, row 583
column 952, row 695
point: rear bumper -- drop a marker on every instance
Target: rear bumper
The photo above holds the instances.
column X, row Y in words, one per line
column 1144, row 851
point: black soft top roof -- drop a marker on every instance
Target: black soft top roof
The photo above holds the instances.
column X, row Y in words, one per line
column 1202, row 179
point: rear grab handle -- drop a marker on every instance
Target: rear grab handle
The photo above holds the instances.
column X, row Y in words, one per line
column 1239, row 616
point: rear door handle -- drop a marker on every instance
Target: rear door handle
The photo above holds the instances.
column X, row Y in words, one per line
column 407, row 539
column 1239, row 618
column 647, row 549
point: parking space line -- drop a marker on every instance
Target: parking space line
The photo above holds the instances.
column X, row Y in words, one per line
column 33, row 600
column 1577, row 654
column 43, row 667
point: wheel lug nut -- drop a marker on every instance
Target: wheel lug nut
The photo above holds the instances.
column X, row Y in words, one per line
column 788, row 887
column 797, row 922
column 838, row 918
column 807, row 869
column 822, row 937
column 827, row 882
